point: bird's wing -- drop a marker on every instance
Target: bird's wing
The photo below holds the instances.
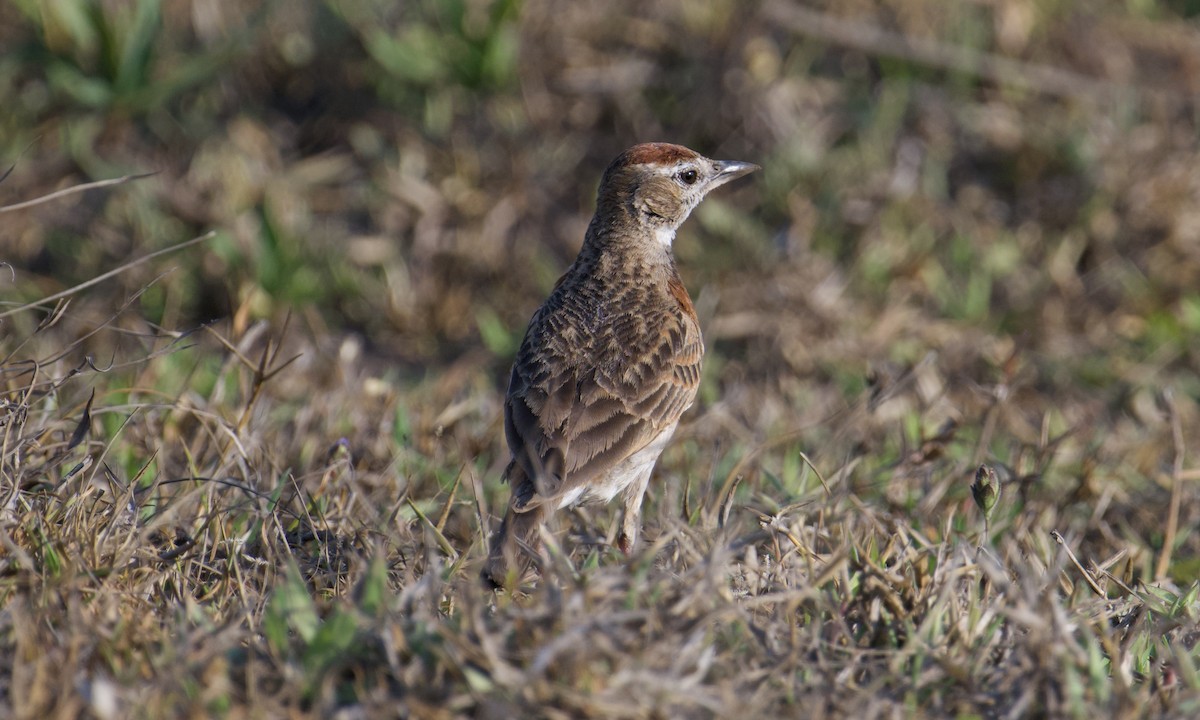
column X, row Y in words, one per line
column 578, row 404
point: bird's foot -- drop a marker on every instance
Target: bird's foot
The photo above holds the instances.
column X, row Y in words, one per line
column 625, row 543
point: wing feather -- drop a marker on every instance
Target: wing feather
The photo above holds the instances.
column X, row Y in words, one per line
column 581, row 401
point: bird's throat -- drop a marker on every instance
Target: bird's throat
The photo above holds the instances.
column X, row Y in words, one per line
column 665, row 236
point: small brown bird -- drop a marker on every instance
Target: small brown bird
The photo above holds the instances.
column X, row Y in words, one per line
column 611, row 359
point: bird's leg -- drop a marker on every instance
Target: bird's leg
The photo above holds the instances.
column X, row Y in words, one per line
column 631, row 523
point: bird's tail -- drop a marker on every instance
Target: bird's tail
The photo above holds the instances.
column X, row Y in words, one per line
column 517, row 541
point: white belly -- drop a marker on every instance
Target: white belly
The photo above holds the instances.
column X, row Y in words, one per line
column 635, row 468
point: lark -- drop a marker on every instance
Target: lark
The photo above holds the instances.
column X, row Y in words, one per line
column 611, row 359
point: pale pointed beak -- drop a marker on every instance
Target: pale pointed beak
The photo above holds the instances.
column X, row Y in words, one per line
column 731, row 170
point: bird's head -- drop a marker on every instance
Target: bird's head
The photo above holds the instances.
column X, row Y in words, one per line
column 654, row 186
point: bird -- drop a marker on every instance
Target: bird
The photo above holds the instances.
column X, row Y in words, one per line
column 611, row 359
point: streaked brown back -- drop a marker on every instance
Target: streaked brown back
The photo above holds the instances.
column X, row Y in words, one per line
column 608, row 362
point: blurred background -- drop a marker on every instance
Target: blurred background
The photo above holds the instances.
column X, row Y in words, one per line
column 976, row 235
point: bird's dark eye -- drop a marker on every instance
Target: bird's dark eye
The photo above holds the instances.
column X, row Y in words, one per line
column 688, row 177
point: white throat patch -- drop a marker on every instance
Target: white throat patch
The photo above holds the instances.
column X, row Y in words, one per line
column 665, row 236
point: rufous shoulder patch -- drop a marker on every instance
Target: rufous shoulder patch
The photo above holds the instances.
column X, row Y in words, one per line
column 681, row 296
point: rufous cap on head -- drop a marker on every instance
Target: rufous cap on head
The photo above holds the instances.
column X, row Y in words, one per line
column 653, row 153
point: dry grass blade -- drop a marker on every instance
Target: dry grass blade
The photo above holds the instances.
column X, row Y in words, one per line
column 1179, row 451
column 446, row 546
column 85, row 423
column 1087, row 576
column 445, row 515
column 997, row 68
column 110, row 274
column 726, row 506
column 83, row 187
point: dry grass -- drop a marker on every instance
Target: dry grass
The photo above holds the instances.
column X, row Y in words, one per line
column 251, row 477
